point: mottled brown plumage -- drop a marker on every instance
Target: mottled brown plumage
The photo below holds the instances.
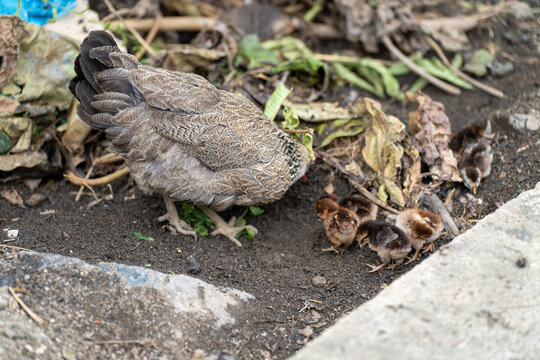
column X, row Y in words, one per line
column 181, row 136
column 364, row 208
column 422, row 226
column 389, row 241
column 474, row 155
column 340, row 223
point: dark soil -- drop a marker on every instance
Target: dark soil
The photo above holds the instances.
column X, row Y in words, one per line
column 278, row 267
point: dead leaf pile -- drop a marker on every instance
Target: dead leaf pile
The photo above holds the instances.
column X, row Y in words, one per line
column 430, row 130
column 407, row 22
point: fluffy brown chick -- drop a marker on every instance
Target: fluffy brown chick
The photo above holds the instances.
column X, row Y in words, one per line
column 389, row 241
column 364, row 208
column 422, row 227
column 182, row 137
column 340, row 224
column 474, row 155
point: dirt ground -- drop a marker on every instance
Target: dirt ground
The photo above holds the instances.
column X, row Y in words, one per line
column 278, row 267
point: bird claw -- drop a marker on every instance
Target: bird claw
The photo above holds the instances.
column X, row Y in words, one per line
column 177, row 227
column 429, row 247
column 413, row 258
column 375, row 268
column 331, row 248
column 230, row 231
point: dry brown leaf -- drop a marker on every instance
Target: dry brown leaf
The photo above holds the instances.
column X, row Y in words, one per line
column 32, row 183
column 8, row 105
column 77, row 131
column 386, row 148
column 307, row 331
column 35, row 199
column 430, row 129
column 27, row 159
column 13, row 197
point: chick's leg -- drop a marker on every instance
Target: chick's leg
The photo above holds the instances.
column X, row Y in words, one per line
column 224, row 228
column 175, row 223
column 429, row 247
column 376, row 268
column 414, row 257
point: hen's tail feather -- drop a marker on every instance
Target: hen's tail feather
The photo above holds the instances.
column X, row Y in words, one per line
column 101, row 74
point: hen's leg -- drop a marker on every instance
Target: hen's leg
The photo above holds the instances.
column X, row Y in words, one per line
column 175, row 223
column 226, row 229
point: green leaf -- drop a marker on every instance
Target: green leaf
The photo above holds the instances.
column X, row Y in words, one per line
column 248, row 233
column 346, row 74
column 317, row 7
column 457, row 61
column 251, row 54
column 310, row 71
column 291, row 119
column 418, row 85
column 436, row 68
column 200, row 229
column 391, row 85
column 276, row 99
column 255, row 210
column 140, row 236
column 307, row 140
column 344, row 128
column 381, row 194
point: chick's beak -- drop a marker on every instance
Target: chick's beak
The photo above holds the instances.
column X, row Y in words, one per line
column 474, row 189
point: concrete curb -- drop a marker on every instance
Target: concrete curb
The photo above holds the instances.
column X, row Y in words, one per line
column 475, row 298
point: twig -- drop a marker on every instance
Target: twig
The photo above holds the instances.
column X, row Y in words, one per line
column 438, row 207
column 151, row 35
column 168, row 23
column 15, row 247
column 86, row 177
column 371, row 197
column 356, row 184
column 108, row 159
column 490, row 90
column 130, row 28
column 142, row 342
column 418, row 70
column 74, row 179
column 29, row 311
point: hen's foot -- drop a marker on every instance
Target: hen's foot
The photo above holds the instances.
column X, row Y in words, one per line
column 143, row 9
column 224, row 228
column 331, row 248
column 176, row 225
column 429, row 247
column 413, row 258
column 375, row 268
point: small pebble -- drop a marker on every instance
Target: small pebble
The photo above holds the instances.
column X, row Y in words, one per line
column 194, row 266
column 521, row 262
column 318, row 281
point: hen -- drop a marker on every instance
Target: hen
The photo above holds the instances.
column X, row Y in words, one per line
column 182, row 137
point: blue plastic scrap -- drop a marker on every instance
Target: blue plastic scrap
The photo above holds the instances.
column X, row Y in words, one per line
column 37, row 11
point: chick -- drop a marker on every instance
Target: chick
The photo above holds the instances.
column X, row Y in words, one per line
column 476, row 165
column 474, row 155
column 340, row 223
column 182, row 137
column 422, row 227
column 364, row 208
column 389, row 241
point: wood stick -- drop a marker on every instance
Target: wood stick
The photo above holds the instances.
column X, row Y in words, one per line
column 437, row 206
column 25, row 307
column 418, row 70
column 490, row 90
column 74, row 179
column 168, row 23
column 151, row 35
column 133, row 31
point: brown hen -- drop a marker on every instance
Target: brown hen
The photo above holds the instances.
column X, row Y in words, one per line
column 182, row 137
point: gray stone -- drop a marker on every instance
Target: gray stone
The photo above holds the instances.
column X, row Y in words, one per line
column 475, row 298
column 525, row 121
column 83, row 303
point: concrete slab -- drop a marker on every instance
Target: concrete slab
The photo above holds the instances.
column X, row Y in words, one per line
column 475, row 298
column 108, row 310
